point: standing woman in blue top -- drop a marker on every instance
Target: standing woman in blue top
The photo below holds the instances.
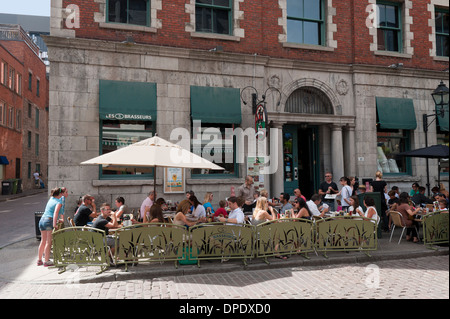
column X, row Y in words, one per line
column 49, row 220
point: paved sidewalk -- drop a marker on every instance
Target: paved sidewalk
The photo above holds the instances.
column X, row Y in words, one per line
column 18, row 263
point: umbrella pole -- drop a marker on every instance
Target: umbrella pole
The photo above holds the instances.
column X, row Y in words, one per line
column 154, row 182
column 439, row 174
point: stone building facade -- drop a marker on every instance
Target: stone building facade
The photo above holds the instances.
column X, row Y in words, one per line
column 338, row 86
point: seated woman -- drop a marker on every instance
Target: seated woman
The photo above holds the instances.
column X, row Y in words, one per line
column 155, row 215
column 162, row 202
column 261, row 212
column 371, row 211
column 180, row 217
column 121, row 208
column 408, row 213
column 207, row 203
column 355, row 209
column 199, row 211
column 302, row 209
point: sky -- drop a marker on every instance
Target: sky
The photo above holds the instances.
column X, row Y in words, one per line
column 26, row 7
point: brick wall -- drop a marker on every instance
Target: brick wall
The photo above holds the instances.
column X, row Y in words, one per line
column 261, row 26
column 14, row 142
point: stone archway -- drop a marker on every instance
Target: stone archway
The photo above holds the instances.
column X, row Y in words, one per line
column 318, row 88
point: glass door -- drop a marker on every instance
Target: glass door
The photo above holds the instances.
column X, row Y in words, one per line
column 290, row 159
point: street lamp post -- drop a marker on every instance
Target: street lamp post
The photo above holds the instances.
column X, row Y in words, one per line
column 440, row 98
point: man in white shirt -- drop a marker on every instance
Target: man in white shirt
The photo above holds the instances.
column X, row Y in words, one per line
column 236, row 216
column 147, row 204
column 313, row 205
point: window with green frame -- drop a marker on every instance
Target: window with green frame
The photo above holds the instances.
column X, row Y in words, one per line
column 305, row 22
column 213, row 16
column 134, row 12
column 441, row 17
column 217, row 143
column 116, row 134
column 390, row 143
column 389, row 26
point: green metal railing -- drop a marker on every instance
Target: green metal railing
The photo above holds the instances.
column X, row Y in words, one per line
column 435, row 228
column 167, row 242
column 153, row 242
column 346, row 234
column 80, row 246
column 284, row 237
column 219, row 241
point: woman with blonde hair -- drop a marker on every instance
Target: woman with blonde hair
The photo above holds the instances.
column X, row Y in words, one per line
column 261, row 212
column 207, row 203
column 380, row 186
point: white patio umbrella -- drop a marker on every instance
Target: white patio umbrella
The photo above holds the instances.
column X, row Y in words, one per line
column 153, row 152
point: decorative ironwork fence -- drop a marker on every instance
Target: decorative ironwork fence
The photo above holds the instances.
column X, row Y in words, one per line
column 167, row 242
column 150, row 243
column 282, row 237
column 218, row 241
column 80, row 246
column 435, row 228
column 346, row 234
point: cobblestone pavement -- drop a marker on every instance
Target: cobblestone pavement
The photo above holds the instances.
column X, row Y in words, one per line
column 421, row 278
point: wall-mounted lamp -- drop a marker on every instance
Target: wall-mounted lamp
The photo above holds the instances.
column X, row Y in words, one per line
column 255, row 101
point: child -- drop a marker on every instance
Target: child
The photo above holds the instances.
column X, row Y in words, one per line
column 221, row 212
column 393, row 200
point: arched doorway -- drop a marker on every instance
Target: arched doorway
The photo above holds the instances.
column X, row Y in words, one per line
column 301, row 155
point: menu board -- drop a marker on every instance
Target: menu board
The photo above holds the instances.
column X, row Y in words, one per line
column 255, row 167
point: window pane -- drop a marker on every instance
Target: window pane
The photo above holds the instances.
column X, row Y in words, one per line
column 442, row 48
column 311, row 33
column 390, row 144
column 446, row 22
column 439, row 18
column 294, row 31
column 137, row 12
column 117, row 11
column 381, row 15
column 205, row 1
column 312, row 9
column 118, row 134
column 380, row 40
column 203, row 21
column 295, row 8
column 217, row 147
column 391, row 40
column 222, row 24
column 222, row 3
column 392, row 16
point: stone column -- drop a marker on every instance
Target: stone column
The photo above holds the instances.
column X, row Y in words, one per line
column 337, row 152
column 350, row 151
column 277, row 179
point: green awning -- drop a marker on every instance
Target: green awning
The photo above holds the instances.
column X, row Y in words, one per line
column 216, row 105
column 133, row 101
column 443, row 121
column 396, row 113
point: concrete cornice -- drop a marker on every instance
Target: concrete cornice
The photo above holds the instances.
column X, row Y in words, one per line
column 255, row 59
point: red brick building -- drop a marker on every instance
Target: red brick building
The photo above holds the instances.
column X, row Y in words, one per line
column 23, row 107
column 341, row 72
